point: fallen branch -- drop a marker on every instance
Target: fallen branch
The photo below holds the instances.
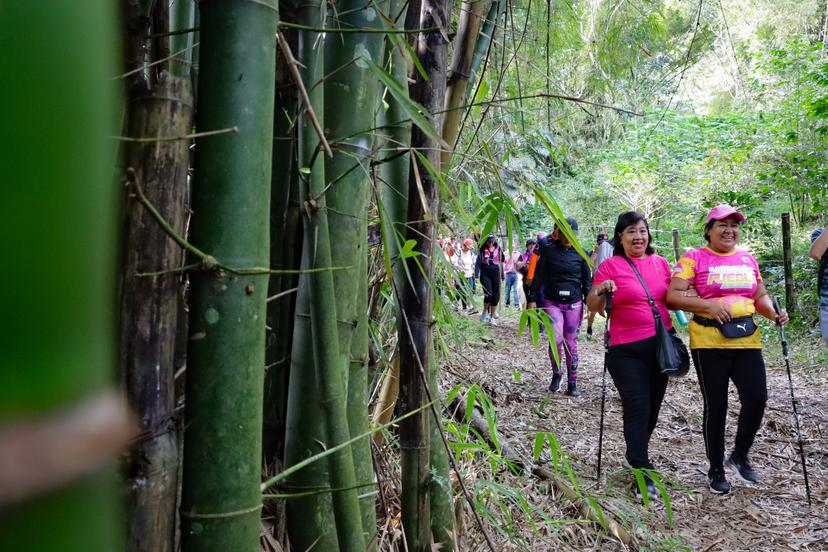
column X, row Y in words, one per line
column 478, row 422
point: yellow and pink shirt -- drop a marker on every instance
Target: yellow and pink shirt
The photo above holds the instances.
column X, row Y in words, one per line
column 730, row 278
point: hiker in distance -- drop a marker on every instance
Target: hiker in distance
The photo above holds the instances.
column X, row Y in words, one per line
column 563, row 278
column 819, row 253
column 603, row 251
column 631, row 357
column 724, row 339
column 489, row 263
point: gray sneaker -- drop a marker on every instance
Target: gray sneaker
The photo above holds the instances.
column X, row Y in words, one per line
column 493, row 321
column 484, row 317
column 742, row 469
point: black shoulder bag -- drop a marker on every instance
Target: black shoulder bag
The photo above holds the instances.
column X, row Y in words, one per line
column 671, row 353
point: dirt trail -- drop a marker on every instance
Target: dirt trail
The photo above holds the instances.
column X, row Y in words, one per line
column 773, row 515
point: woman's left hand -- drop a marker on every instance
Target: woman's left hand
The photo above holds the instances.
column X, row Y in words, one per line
column 782, row 317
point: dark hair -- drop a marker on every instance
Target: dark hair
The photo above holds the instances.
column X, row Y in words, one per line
column 707, row 227
column 489, row 237
column 626, row 220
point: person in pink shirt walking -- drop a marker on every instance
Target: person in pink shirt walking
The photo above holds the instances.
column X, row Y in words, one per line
column 631, row 358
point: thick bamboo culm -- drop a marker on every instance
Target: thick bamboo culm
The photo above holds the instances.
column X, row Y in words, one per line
column 349, row 129
column 150, row 308
column 221, row 501
column 415, row 328
column 310, row 517
column 58, row 218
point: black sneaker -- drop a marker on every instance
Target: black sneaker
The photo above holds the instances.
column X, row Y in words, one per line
column 742, row 469
column 572, row 390
column 717, row 481
column 555, row 385
column 589, row 330
column 652, row 492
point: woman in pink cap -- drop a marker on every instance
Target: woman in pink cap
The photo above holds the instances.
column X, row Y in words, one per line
column 724, row 339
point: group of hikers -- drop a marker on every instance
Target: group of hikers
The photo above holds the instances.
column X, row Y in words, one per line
column 719, row 283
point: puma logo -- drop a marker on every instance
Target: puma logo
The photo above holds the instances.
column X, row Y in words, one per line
column 742, row 327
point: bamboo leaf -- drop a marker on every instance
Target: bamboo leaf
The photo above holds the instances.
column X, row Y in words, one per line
column 414, row 110
column 540, row 440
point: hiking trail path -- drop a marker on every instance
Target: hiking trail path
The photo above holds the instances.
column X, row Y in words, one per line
column 771, row 516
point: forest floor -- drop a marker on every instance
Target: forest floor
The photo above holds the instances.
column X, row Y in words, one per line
column 773, row 515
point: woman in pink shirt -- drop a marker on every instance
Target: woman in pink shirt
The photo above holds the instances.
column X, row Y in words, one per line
column 631, row 359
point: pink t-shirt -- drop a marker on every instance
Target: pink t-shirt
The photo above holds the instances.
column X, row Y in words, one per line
column 730, row 278
column 509, row 263
column 632, row 319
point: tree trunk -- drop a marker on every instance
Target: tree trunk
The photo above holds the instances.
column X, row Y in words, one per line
column 415, row 328
column 149, row 308
column 58, row 219
column 231, row 197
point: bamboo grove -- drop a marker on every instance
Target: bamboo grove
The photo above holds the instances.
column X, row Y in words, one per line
column 258, row 140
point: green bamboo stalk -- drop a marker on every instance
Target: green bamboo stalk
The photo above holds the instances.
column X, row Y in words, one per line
column 310, row 519
column 349, row 114
column 416, row 339
column 58, row 217
column 231, row 192
column 285, row 253
column 497, row 10
column 330, row 370
column 182, row 16
column 394, row 174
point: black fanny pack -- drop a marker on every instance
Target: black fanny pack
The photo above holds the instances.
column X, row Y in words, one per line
column 743, row 326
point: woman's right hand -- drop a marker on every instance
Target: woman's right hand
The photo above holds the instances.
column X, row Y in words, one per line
column 719, row 311
column 606, row 287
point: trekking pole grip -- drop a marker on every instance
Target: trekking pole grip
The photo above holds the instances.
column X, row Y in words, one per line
column 776, row 306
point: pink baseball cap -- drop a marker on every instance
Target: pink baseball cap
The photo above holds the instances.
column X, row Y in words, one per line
column 722, row 211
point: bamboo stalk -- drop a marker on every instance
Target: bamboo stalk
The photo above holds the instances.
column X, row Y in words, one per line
column 58, row 215
column 472, row 16
column 149, row 310
column 310, row 519
column 416, row 342
column 222, row 464
column 349, row 116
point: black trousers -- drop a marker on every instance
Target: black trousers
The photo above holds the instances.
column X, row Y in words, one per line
column 641, row 384
column 715, row 368
column 490, row 280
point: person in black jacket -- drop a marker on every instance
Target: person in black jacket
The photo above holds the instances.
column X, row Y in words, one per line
column 563, row 278
column 489, row 264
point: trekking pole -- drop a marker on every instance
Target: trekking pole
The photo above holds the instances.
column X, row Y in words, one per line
column 607, row 309
column 793, row 399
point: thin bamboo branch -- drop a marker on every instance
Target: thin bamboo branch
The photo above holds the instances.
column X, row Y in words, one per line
column 233, row 130
column 208, row 262
column 156, row 62
column 346, row 30
column 297, row 79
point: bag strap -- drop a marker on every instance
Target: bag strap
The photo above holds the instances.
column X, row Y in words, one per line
column 650, row 299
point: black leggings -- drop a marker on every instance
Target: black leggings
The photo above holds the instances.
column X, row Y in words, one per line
column 715, row 368
column 490, row 280
column 641, row 384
